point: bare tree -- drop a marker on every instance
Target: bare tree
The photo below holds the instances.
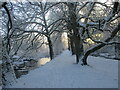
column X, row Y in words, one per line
column 40, row 23
column 6, row 43
column 104, row 25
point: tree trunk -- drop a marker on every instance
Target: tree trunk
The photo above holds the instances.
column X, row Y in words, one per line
column 8, row 73
column 79, row 51
column 72, row 46
column 51, row 53
column 68, row 42
column 97, row 47
column 76, row 39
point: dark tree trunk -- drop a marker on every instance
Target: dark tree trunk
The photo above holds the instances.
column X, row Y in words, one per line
column 97, row 47
column 91, row 51
column 78, row 47
column 51, row 53
column 76, row 39
column 68, row 42
column 72, row 46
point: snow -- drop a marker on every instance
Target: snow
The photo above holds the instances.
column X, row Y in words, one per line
column 62, row 72
column 92, row 23
column 18, row 63
column 16, row 56
column 82, row 24
column 43, row 61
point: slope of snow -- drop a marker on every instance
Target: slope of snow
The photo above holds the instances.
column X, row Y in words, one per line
column 61, row 72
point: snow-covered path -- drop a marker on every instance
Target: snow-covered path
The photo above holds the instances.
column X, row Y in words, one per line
column 63, row 73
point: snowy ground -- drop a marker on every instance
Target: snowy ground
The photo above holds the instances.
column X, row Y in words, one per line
column 63, row 73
